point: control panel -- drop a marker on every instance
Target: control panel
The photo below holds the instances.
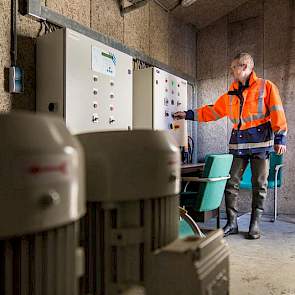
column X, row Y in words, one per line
column 86, row 82
column 157, row 95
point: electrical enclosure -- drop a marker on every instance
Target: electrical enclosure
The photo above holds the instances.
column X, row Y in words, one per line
column 157, row 95
column 84, row 81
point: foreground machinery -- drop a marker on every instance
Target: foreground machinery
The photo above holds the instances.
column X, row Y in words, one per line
column 41, row 202
column 130, row 231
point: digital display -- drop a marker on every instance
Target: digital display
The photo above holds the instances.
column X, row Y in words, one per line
column 103, row 62
column 106, row 55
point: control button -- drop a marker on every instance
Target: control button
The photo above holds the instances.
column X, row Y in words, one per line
column 95, row 118
column 178, row 103
column 178, row 94
column 157, row 82
column 166, row 114
column 50, row 199
column 166, row 101
column 95, row 104
column 112, row 83
column 111, row 107
column 95, row 78
column 166, row 90
column 52, row 107
column 172, row 102
column 172, row 177
column 111, row 120
column 95, row 91
column 170, row 126
column 112, row 95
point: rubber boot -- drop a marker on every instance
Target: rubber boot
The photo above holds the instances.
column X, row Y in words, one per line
column 231, row 226
column 231, row 196
column 254, row 230
column 260, row 170
column 231, row 203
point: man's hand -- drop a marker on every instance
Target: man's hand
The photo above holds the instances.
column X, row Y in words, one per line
column 179, row 115
column 280, row 149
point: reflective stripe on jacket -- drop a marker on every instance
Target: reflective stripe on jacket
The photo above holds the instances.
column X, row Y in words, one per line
column 262, row 116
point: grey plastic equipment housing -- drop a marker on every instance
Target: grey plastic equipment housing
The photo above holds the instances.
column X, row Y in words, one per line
column 130, row 165
column 41, row 175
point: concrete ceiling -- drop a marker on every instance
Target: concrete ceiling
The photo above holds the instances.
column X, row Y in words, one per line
column 203, row 12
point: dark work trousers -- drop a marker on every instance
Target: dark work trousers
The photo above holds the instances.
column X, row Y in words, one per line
column 260, row 171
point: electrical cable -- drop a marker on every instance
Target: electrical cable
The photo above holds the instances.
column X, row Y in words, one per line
column 191, row 147
column 188, row 219
column 47, row 29
column 41, row 29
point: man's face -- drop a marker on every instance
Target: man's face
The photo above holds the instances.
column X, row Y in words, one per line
column 237, row 70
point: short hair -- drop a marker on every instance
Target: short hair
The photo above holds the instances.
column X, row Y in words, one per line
column 245, row 58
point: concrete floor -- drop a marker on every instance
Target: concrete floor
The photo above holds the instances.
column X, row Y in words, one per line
column 264, row 266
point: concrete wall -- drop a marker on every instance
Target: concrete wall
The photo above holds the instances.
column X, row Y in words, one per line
column 266, row 29
column 149, row 30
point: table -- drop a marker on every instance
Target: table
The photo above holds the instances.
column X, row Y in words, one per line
column 190, row 168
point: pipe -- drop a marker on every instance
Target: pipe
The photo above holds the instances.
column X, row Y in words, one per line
column 13, row 49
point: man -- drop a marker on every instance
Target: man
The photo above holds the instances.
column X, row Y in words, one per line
column 259, row 126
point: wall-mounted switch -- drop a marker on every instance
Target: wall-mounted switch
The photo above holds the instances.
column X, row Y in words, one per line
column 16, row 80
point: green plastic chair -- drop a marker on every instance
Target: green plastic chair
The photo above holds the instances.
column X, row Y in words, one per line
column 275, row 178
column 212, row 185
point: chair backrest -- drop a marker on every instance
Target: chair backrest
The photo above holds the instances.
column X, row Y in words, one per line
column 211, row 193
column 275, row 160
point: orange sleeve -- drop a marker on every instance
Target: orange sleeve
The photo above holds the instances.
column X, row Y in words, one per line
column 277, row 114
column 214, row 112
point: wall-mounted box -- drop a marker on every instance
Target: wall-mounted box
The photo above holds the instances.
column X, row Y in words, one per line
column 84, row 81
column 157, row 95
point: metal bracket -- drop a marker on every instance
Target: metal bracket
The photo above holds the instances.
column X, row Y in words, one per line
column 134, row 4
column 31, row 8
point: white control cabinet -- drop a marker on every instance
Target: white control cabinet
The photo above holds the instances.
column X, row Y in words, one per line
column 157, row 95
column 84, row 81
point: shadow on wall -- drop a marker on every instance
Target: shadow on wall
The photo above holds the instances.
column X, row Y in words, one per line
column 6, row 79
column 26, row 60
column 289, row 72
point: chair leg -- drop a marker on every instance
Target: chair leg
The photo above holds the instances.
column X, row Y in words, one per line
column 218, row 218
column 275, row 198
column 275, row 203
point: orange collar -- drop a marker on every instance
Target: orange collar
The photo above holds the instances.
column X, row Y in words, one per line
column 253, row 79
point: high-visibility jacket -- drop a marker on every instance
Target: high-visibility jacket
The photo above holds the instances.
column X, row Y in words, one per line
column 258, row 124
